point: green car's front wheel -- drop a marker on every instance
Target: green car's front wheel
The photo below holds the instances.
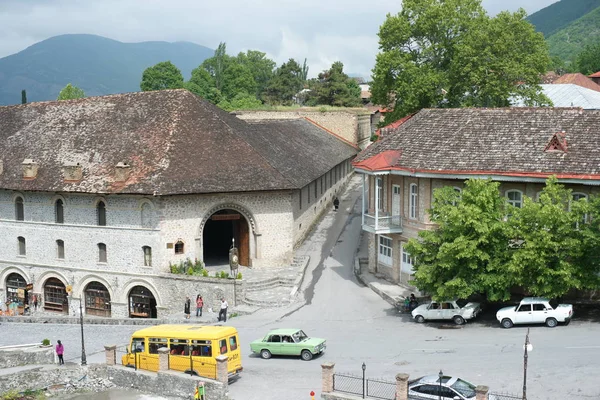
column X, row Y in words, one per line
column 266, row 354
column 306, row 355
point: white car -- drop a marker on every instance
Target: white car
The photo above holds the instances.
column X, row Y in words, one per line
column 429, row 387
column 457, row 311
column 535, row 310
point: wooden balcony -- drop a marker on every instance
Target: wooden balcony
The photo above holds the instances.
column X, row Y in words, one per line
column 382, row 223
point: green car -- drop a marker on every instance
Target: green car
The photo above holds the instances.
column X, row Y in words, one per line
column 288, row 342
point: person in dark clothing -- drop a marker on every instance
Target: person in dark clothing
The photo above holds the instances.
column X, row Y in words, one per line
column 186, row 307
column 223, row 311
column 336, row 203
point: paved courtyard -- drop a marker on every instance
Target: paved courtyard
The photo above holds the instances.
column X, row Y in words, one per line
column 361, row 327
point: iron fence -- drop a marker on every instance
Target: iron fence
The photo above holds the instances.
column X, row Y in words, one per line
column 505, row 396
column 348, row 384
column 379, row 389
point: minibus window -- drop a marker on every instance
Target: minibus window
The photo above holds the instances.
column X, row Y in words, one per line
column 223, row 346
column 179, row 347
column 156, row 343
column 232, row 343
column 137, row 345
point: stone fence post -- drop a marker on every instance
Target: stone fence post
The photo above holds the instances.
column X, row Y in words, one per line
column 163, row 359
column 401, row 386
column 222, row 373
column 327, row 377
column 110, row 353
column 481, row 392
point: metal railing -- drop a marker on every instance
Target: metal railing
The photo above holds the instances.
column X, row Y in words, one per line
column 384, row 221
column 361, row 386
column 350, row 384
column 379, row 389
column 505, row 396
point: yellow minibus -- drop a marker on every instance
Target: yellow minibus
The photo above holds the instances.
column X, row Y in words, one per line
column 192, row 348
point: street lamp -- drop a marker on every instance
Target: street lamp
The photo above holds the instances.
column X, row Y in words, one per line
column 441, row 375
column 83, row 359
column 526, row 348
column 364, row 368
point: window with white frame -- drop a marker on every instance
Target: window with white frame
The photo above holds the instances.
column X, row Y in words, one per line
column 577, row 197
column 385, row 250
column 515, row 198
column 407, row 262
column 412, row 203
column 379, row 193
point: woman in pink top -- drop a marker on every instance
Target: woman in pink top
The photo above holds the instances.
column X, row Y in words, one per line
column 199, row 305
column 60, row 350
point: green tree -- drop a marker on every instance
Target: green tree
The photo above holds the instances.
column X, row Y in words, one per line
column 285, row 84
column 202, row 84
column 467, row 254
column 23, row 97
column 439, row 53
column 241, row 101
column 217, row 64
column 237, row 78
column 260, row 66
column 588, row 60
column 333, row 87
column 70, row 92
column 163, row 75
column 304, row 74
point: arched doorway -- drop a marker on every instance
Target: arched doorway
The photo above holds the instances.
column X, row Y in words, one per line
column 142, row 303
column 219, row 230
column 55, row 296
column 16, row 294
column 97, row 300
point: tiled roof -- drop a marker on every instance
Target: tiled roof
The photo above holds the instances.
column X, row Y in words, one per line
column 394, row 125
column 578, row 79
column 500, row 141
column 174, row 142
column 568, row 95
column 594, row 75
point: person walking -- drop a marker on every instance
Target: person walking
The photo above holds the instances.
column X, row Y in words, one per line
column 60, row 350
column 199, row 305
column 336, row 203
column 186, row 307
column 223, row 311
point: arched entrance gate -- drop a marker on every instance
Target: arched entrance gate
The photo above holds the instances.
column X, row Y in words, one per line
column 142, row 303
column 219, row 230
column 16, row 293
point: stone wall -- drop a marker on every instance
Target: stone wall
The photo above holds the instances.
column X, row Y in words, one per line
column 41, row 377
column 353, row 125
column 18, row 356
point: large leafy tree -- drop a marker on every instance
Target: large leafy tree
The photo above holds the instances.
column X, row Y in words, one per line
column 163, row 75
column 285, row 84
column 588, row 60
column 202, row 84
column 237, row 79
column 467, row 254
column 333, row 87
column 259, row 66
column 439, row 53
column 217, row 64
column 70, row 92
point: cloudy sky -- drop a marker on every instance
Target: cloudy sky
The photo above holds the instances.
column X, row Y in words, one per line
column 323, row 31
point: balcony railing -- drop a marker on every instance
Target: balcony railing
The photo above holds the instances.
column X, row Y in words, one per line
column 384, row 223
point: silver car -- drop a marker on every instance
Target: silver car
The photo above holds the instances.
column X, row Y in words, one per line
column 429, row 387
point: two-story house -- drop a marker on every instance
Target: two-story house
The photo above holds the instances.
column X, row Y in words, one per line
column 99, row 195
column 519, row 147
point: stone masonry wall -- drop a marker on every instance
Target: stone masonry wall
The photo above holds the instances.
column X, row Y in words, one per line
column 15, row 357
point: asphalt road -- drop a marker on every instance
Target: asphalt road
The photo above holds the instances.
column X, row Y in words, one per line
column 361, row 327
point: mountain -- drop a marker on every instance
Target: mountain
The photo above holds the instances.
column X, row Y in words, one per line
column 558, row 15
column 96, row 64
column 570, row 40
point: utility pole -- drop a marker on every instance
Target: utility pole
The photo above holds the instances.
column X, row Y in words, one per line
column 83, row 358
column 526, row 348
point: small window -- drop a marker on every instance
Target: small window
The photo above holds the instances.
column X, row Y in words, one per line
column 515, row 198
column 179, row 247
column 434, row 306
column 147, row 256
column 412, row 212
column 447, row 306
column 539, row 307
column 232, row 343
column 101, row 252
column 275, row 339
column 101, row 213
column 525, row 308
column 223, row 346
column 22, row 246
column 137, row 345
column 315, row 190
column 300, row 198
column 380, row 193
column 19, row 210
column 60, row 249
column 59, row 213
column 385, row 250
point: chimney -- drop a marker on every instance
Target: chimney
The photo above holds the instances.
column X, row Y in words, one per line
column 72, row 172
column 122, row 171
column 30, row 169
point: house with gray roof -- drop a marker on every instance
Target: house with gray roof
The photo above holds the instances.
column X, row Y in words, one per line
column 569, row 95
column 518, row 147
column 101, row 195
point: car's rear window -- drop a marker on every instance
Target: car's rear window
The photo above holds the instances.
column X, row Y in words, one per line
column 464, row 388
column 461, row 303
column 553, row 304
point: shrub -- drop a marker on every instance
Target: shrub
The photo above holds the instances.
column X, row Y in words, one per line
column 184, row 267
column 190, row 271
column 239, row 275
column 204, row 272
column 224, row 275
column 46, row 342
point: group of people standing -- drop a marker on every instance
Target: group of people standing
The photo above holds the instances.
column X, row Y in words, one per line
column 200, row 305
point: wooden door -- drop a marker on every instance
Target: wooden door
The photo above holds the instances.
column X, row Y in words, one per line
column 244, row 244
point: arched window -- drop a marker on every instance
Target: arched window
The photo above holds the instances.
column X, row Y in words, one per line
column 59, row 214
column 515, row 198
column 147, row 256
column 22, row 246
column 101, row 252
column 60, row 249
column 179, row 249
column 412, row 204
column 146, row 214
column 19, row 210
column 101, row 213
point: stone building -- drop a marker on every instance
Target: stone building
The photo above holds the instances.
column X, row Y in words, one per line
column 352, row 124
column 519, row 147
column 98, row 196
